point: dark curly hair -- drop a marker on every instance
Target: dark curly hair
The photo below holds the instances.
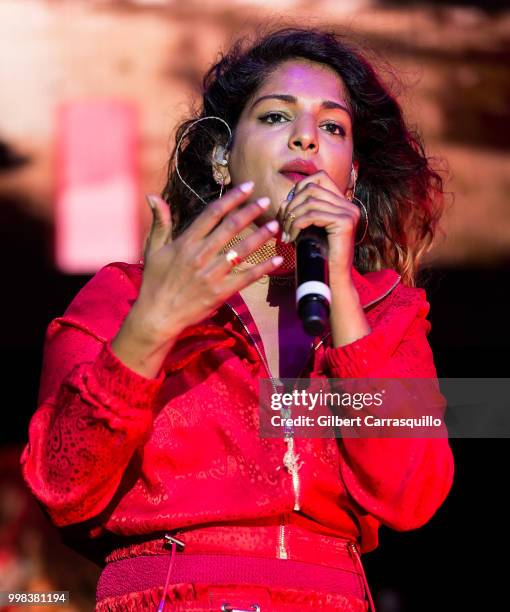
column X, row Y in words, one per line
column 402, row 192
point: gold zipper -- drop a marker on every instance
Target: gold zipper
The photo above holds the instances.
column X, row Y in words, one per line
column 290, row 459
column 281, row 553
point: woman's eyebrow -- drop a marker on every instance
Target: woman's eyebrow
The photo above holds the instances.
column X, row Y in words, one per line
column 328, row 104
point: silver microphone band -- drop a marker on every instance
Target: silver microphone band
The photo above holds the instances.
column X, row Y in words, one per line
column 313, row 287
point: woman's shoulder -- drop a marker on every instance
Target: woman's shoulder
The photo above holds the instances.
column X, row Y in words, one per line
column 114, row 280
column 105, row 300
column 391, row 303
column 386, row 287
column 414, row 298
column 404, row 308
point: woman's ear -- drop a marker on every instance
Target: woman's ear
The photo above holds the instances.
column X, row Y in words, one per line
column 349, row 192
column 354, row 175
column 220, row 157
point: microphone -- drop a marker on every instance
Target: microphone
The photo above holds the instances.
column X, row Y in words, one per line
column 313, row 295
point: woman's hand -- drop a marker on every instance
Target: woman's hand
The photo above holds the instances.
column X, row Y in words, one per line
column 184, row 280
column 318, row 201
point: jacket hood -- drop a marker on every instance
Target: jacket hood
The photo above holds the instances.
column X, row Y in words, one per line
column 373, row 286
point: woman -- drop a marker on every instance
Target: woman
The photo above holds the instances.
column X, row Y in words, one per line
column 145, row 443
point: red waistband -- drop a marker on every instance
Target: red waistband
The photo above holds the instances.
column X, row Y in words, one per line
column 145, row 572
column 273, row 543
column 287, row 541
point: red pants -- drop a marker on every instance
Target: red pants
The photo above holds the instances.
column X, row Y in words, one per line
column 187, row 597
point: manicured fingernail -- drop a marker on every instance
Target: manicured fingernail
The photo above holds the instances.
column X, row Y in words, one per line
column 285, row 237
column 273, row 226
column 246, row 187
column 264, row 202
column 150, row 201
column 277, row 260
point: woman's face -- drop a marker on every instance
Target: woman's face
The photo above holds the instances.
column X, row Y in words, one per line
column 312, row 123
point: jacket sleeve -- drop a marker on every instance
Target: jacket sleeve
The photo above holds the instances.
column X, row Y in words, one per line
column 93, row 411
column 400, row 481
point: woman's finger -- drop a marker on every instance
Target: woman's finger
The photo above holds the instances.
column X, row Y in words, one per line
column 240, row 280
column 160, row 232
column 320, row 179
column 220, row 265
column 334, row 219
column 214, row 213
column 306, row 189
column 319, row 185
column 232, row 225
column 318, row 205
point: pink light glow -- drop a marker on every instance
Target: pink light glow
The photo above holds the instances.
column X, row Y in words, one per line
column 96, row 215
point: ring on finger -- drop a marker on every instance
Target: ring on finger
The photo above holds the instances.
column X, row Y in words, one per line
column 290, row 216
column 233, row 257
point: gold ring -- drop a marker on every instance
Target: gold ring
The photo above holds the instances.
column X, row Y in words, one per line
column 291, row 216
column 232, row 257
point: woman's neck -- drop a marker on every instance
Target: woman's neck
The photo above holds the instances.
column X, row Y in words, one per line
column 273, row 308
column 270, row 291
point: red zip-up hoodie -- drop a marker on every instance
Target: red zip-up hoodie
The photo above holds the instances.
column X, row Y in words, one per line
column 133, row 456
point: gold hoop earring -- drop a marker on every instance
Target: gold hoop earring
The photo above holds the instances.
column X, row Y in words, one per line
column 360, row 203
column 350, row 196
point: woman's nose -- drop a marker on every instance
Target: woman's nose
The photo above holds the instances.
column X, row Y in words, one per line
column 304, row 136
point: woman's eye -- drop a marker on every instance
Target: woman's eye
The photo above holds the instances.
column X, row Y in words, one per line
column 272, row 118
column 334, row 126
column 265, row 117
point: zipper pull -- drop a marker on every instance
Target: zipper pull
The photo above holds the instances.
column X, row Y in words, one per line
column 291, row 461
column 170, row 539
column 175, row 542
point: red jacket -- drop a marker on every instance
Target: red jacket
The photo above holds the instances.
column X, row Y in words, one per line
column 142, row 455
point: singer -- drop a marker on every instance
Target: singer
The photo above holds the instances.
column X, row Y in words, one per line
column 144, row 449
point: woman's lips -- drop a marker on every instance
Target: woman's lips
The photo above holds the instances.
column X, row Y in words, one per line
column 294, row 177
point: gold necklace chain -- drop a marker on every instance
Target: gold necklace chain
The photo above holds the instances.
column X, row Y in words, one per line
column 285, row 275
column 285, row 280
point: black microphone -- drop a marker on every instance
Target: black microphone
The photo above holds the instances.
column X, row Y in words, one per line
column 313, row 295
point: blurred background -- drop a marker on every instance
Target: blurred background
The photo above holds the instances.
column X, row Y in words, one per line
column 90, row 92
